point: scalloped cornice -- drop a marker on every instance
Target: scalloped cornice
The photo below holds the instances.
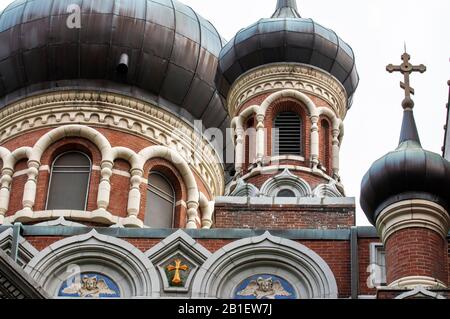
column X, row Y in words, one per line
column 274, row 77
column 114, row 111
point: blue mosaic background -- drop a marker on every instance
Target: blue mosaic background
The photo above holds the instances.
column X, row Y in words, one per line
column 286, row 285
column 109, row 282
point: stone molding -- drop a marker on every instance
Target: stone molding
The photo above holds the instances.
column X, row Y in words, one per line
column 413, row 282
column 414, row 213
column 275, row 77
column 136, row 277
column 116, row 112
column 420, row 292
column 226, row 267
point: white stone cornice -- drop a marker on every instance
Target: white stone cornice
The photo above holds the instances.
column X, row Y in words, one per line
column 414, row 213
column 413, row 282
column 116, row 112
column 301, row 77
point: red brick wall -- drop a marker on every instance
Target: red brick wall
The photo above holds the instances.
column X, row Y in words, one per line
column 416, row 252
column 337, row 255
column 41, row 242
column 285, row 217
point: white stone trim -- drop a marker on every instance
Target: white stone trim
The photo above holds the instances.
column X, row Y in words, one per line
column 137, row 277
column 420, row 292
column 296, row 76
column 61, row 221
column 224, row 268
column 178, row 243
column 414, row 213
column 286, row 180
column 100, row 216
column 26, row 251
column 413, row 282
column 21, row 172
column 118, row 112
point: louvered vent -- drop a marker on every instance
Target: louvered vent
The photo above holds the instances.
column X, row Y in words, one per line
column 287, row 135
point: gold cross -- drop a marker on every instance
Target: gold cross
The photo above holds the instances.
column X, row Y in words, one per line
column 406, row 68
column 178, row 267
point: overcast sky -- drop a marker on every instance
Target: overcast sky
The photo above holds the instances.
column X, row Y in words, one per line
column 376, row 30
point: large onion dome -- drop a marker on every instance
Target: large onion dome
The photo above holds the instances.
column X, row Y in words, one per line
column 409, row 172
column 286, row 37
column 160, row 48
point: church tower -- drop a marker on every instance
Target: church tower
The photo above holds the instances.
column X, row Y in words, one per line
column 289, row 83
column 405, row 195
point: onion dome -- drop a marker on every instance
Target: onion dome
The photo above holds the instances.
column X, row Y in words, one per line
column 286, row 37
column 409, row 172
column 160, row 48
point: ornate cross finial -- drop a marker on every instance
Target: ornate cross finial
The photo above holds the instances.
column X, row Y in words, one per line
column 406, row 68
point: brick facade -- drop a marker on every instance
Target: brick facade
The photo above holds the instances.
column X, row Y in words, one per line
column 283, row 217
column 416, row 252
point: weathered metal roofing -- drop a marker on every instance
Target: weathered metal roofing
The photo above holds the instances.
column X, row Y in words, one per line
column 171, row 51
column 287, row 38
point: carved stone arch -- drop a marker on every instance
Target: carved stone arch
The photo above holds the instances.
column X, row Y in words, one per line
column 173, row 157
column 244, row 189
column 327, row 190
column 293, row 94
column 309, row 275
column 126, row 265
column 286, row 180
column 70, row 131
column 181, row 246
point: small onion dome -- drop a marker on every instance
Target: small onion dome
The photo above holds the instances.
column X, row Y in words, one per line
column 409, row 172
column 157, row 48
column 286, row 37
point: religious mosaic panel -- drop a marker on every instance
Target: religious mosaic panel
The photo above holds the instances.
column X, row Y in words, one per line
column 265, row 287
column 177, row 270
column 89, row 285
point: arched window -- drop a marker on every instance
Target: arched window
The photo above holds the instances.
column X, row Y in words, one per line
column 160, row 202
column 286, row 193
column 69, row 182
column 287, row 135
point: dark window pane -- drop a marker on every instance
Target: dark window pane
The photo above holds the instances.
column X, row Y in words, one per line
column 69, row 182
column 160, row 202
column 286, row 193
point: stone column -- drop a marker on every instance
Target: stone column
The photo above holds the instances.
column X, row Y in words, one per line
column 414, row 233
column 260, row 137
column 134, row 196
column 314, row 141
column 336, row 151
column 104, row 189
column 29, row 193
column 5, row 184
column 192, row 214
column 239, row 156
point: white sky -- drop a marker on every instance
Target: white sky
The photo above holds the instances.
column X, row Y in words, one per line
column 376, row 30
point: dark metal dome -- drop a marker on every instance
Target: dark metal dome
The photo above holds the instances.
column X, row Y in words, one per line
column 409, row 172
column 170, row 51
column 287, row 38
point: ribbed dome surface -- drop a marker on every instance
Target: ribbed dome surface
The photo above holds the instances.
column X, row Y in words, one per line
column 172, row 51
column 287, row 38
column 409, row 172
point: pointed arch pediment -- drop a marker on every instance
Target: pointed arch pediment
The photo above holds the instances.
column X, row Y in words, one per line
column 178, row 246
column 266, row 256
column 95, row 253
